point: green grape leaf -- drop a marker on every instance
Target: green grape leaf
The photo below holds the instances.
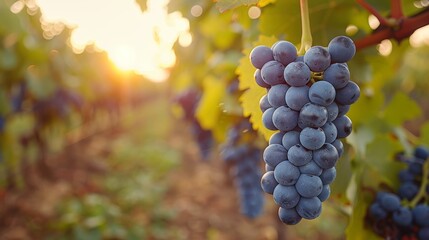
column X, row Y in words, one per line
column 209, row 109
column 252, row 91
column 400, row 109
column 365, row 108
column 224, row 5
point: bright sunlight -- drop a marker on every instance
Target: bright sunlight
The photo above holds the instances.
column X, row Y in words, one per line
column 134, row 40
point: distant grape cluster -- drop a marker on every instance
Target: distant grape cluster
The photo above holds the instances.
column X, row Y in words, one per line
column 240, row 152
column 306, row 101
column 405, row 214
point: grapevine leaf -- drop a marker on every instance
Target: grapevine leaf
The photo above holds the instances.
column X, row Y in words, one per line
column 224, row 5
column 369, row 105
column 209, row 109
column 360, row 138
column 252, row 91
column 344, row 174
column 400, row 109
column 263, row 3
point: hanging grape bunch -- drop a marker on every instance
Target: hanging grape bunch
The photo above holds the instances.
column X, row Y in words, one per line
column 306, row 102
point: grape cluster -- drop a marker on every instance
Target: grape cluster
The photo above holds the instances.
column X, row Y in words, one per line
column 401, row 215
column 306, row 101
column 243, row 156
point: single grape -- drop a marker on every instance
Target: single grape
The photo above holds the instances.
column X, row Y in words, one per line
column 406, row 176
column 421, row 152
column 421, row 215
column 276, row 138
column 330, row 132
column 309, row 208
column 348, row 94
column 289, row 216
column 403, row 217
column 408, row 190
column 326, row 157
column 298, row 155
column 390, row 202
column 286, row 196
column 286, row 173
column 311, row 168
column 272, row 73
column 344, row 126
column 285, row 119
column 317, row 58
column 326, row 191
column 290, row 139
column 297, row 74
column 312, row 115
column 339, row 146
column 268, row 182
column 415, row 167
column 276, row 95
column 264, row 104
column 274, row 154
column 267, row 119
column 309, row 185
column 332, row 111
column 284, row 52
column 312, row 138
column 341, row 49
column 258, row 79
column 297, row 97
column 261, row 55
column 322, row 93
column 343, row 110
column 377, row 211
column 328, row 175
column 337, row 74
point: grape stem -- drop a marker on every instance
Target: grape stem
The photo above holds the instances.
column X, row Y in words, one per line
column 306, row 38
column 422, row 191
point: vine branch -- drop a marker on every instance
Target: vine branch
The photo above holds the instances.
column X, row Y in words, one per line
column 396, row 9
column 383, row 21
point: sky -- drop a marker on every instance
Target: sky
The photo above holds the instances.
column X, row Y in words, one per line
column 120, row 28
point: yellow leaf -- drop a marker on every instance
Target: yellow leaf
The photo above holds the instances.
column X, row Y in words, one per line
column 263, row 3
column 209, row 109
column 253, row 92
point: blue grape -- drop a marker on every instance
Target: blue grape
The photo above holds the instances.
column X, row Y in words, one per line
column 348, row 94
column 322, row 93
column 341, row 49
column 285, row 119
column 423, row 233
column 408, row 190
column 284, row 52
column 267, row 119
column 286, row 173
column 258, row 79
column 312, row 138
column 276, row 95
column 343, row 110
column 332, row 111
column 274, row 154
column 298, row 155
column 297, row 97
column 337, row 74
column 268, row 182
column 344, row 126
column 286, row 196
column 276, row 138
column 290, row 139
column 326, row 191
column 317, row 58
column 421, row 152
column 403, row 217
column 268, row 168
column 377, row 211
column 309, row 185
column 272, row 73
column 326, row 157
column 311, row 168
column 406, row 176
column 421, row 215
column 264, row 104
column 312, row 115
column 330, row 132
column 339, row 146
column 289, row 216
column 415, row 167
column 297, row 74
column 390, row 202
column 309, row 208
column 328, row 175
column 261, row 55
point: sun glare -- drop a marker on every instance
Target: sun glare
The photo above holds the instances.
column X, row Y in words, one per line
column 134, row 40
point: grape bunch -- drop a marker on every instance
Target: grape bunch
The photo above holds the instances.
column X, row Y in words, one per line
column 405, row 214
column 242, row 155
column 306, row 102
